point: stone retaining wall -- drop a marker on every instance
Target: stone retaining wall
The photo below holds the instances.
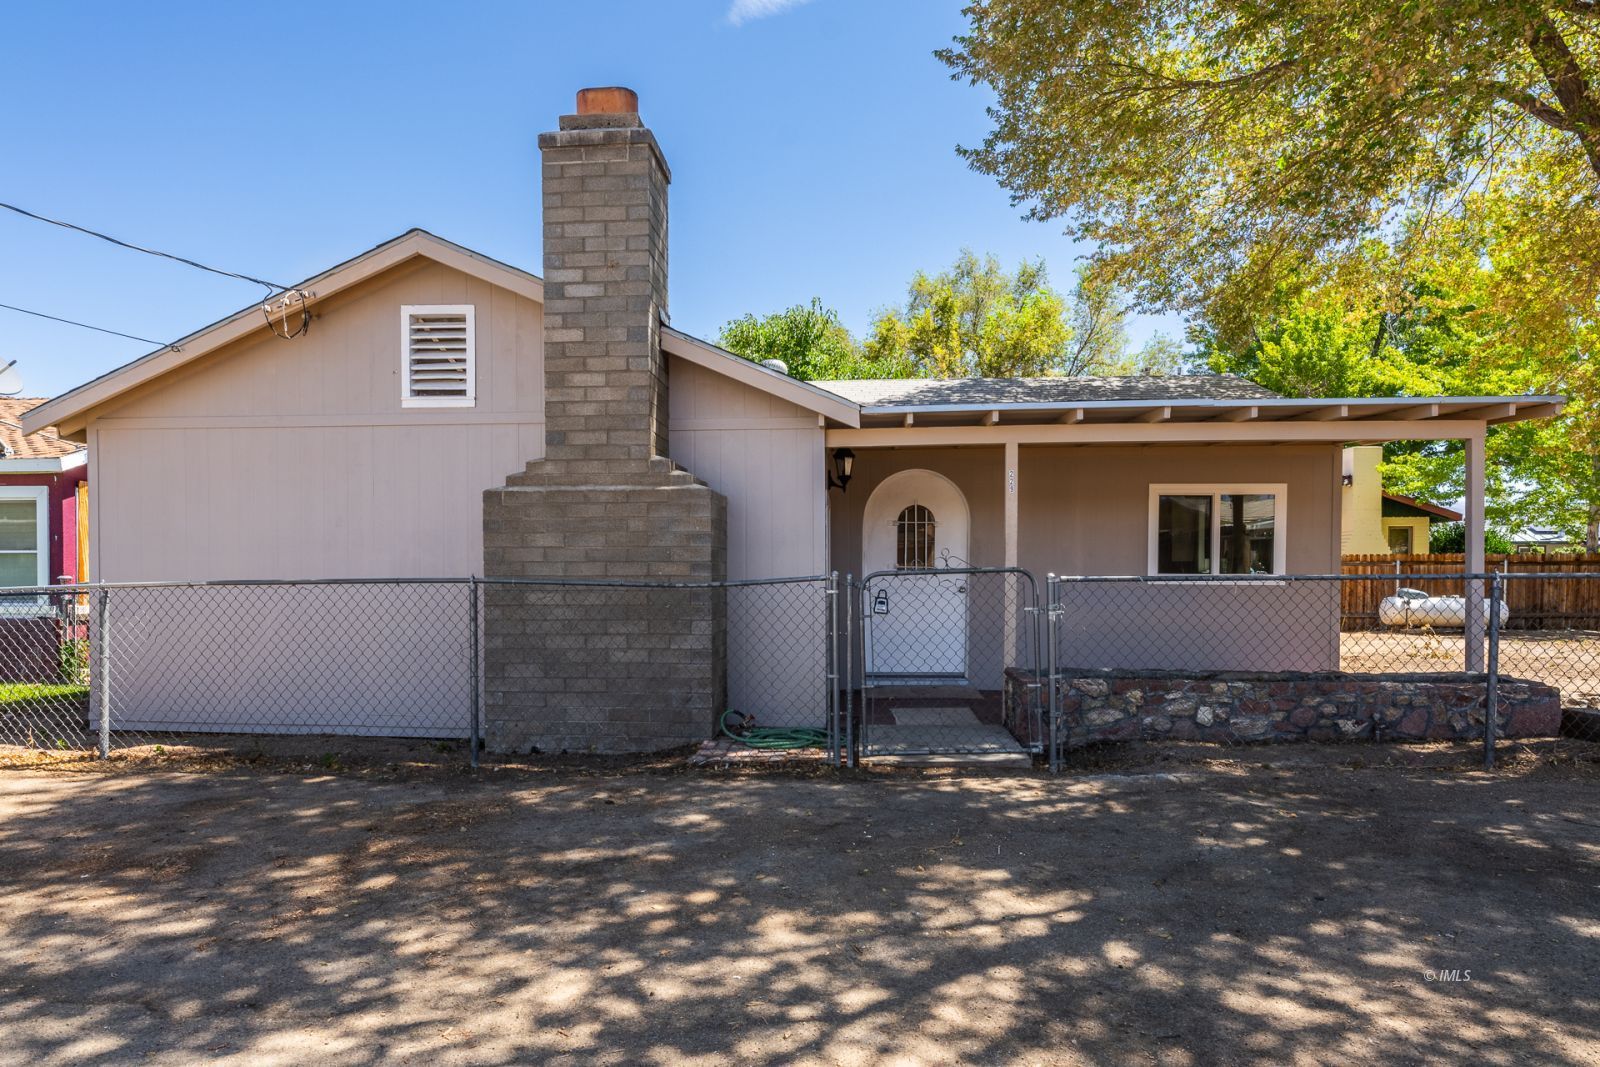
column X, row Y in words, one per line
column 1238, row 708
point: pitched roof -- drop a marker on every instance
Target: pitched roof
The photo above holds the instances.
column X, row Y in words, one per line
column 68, row 409
column 1156, row 389
column 18, row 445
column 719, row 360
column 1422, row 506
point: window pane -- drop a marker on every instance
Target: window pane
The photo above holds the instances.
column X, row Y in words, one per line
column 1249, row 527
column 19, row 568
column 19, row 524
column 1183, row 539
column 914, row 538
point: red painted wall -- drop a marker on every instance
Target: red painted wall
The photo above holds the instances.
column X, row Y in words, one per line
column 63, row 504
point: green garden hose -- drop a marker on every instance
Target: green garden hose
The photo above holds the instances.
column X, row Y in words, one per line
column 777, row 737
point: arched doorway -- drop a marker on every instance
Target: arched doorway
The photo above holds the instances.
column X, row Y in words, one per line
column 916, row 521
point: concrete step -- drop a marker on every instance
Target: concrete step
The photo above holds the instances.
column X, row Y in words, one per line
column 953, row 759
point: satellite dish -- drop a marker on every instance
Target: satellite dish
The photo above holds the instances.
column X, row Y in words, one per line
column 10, row 380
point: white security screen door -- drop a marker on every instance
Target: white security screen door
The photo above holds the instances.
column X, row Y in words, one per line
column 916, row 623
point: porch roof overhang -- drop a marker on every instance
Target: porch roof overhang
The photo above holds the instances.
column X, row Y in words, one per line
column 1189, row 421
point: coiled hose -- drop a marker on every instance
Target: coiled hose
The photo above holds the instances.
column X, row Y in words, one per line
column 737, row 725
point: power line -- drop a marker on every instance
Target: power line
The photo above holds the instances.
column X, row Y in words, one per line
column 86, row 326
column 271, row 287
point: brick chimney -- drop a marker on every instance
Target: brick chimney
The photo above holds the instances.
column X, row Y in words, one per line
column 605, row 272
column 603, row 668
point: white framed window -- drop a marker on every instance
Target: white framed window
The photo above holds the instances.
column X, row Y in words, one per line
column 24, row 544
column 1218, row 529
column 438, row 361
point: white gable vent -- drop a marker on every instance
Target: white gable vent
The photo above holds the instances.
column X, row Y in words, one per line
column 437, row 352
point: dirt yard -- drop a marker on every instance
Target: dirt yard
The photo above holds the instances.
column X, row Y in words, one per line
column 1307, row 906
column 1566, row 659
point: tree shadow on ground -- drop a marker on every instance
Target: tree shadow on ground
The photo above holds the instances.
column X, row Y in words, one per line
column 1241, row 915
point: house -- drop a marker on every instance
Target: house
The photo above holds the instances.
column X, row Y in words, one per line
column 1373, row 522
column 1543, row 540
column 445, row 414
column 43, row 501
column 43, row 534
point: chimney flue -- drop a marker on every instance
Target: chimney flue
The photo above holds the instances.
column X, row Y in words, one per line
column 608, row 100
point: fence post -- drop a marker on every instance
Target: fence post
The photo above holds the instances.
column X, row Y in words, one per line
column 474, row 730
column 832, row 664
column 1052, row 611
column 1491, row 712
column 849, row 671
column 103, row 623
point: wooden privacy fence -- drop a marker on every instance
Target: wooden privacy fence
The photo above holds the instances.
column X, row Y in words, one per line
column 1544, row 603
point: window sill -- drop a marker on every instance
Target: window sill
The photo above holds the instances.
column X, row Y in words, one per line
column 438, row 402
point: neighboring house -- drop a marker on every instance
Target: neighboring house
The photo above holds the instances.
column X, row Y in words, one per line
column 447, row 414
column 43, row 535
column 43, row 501
column 1373, row 522
column 1542, row 539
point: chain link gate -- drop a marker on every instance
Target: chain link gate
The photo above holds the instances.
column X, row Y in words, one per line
column 949, row 664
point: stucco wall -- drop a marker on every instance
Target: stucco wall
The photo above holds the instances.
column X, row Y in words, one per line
column 295, row 459
column 1084, row 510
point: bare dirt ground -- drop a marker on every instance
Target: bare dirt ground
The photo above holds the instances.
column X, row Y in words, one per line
column 1282, row 906
column 1566, row 659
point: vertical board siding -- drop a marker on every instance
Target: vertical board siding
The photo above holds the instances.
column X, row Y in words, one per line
column 295, row 459
column 766, row 456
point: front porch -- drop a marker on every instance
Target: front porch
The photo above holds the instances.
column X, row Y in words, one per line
column 1212, row 509
column 1204, row 489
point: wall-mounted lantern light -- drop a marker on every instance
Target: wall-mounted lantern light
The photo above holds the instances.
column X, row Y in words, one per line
column 844, row 462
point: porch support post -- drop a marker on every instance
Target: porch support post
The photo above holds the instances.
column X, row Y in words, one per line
column 1012, row 583
column 1011, row 504
column 1474, row 562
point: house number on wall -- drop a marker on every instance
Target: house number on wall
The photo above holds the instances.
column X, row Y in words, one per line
column 1011, row 481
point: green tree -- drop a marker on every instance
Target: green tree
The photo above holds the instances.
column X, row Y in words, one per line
column 1286, row 173
column 811, row 341
column 978, row 320
column 1452, row 537
column 1213, row 148
column 1160, row 355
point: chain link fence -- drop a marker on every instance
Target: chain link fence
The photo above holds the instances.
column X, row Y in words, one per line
column 1244, row 659
column 949, row 664
column 100, row 667
column 970, row 662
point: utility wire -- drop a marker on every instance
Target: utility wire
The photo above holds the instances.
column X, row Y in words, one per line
column 86, row 326
column 272, row 287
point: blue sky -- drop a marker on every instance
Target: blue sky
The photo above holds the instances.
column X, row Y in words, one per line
column 812, row 148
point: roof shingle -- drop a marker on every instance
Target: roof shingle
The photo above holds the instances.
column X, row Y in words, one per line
column 18, row 445
column 899, row 392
